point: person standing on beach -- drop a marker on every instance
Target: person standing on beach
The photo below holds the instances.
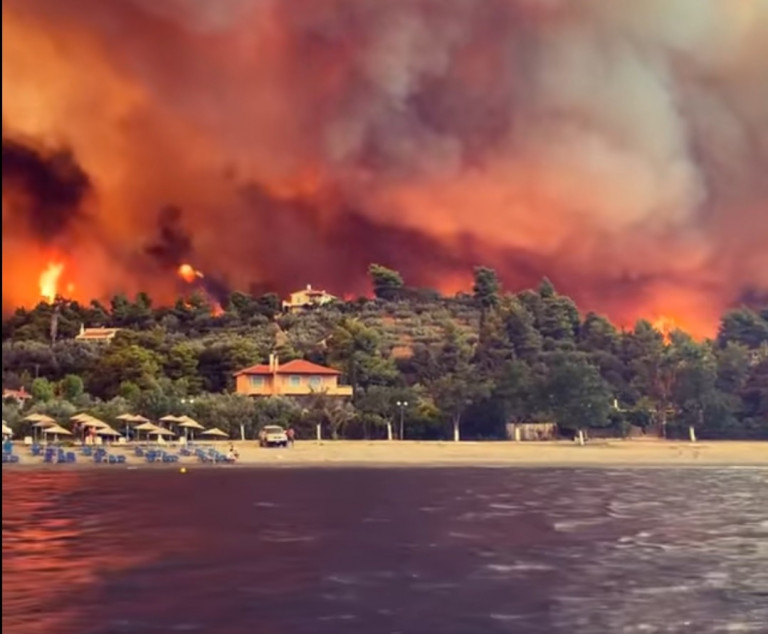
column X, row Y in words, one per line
column 291, row 435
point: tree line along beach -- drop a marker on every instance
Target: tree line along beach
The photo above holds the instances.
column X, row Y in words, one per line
column 405, row 364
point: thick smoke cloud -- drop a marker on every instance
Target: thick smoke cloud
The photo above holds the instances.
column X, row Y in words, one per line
column 44, row 191
column 619, row 148
column 173, row 245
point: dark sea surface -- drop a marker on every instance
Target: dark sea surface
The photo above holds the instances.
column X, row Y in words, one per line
column 385, row 550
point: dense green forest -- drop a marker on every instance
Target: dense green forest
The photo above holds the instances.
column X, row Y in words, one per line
column 473, row 362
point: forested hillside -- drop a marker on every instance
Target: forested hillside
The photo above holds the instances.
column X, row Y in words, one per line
column 473, row 361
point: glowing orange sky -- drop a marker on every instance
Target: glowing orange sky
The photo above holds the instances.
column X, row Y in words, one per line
column 614, row 148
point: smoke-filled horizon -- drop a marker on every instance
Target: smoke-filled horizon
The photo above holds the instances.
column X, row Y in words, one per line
column 618, row 148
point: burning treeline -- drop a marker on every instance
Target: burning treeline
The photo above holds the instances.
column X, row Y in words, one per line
column 619, row 148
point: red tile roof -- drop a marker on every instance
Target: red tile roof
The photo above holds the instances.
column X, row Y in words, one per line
column 298, row 366
column 18, row 394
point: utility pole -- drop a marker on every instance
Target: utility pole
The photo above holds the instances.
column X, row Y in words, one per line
column 55, row 322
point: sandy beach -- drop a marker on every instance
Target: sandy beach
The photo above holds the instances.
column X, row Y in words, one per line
column 613, row 453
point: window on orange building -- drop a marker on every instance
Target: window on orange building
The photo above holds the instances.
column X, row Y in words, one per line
column 257, row 381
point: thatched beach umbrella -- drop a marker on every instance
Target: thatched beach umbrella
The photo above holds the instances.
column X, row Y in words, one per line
column 57, row 430
column 161, row 431
column 88, row 425
column 132, row 419
column 171, row 419
column 214, row 431
column 42, row 424
column 40, row 418
column 92, row 421
column 87, row 419
column 147, row 427
column 107, row 431
column 7, row 431
column 189, row 425
column 40, row 421
column 127, row 419
column 92, row 424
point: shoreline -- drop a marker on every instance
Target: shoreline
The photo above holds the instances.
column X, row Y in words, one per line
column 598, row 454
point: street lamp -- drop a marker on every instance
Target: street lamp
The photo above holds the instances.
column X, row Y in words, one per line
column 187, row 400
column 402, row 405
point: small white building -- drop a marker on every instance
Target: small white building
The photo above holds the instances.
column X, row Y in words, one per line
column 96, row 334
column 531, row 431
column 307, row 298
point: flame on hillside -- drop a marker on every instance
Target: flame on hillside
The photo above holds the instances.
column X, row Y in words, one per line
column 49, row 281
column 666, row 325
column 189, row 273
column 192, row 276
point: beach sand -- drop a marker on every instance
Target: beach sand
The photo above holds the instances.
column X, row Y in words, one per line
column 610, row 453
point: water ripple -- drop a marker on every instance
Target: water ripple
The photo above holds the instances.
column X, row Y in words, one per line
column 441, row 550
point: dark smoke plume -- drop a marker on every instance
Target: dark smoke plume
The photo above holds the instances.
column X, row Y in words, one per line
column 172, row 246
column 52, row 187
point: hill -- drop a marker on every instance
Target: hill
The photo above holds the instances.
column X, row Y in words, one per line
column 470, row 363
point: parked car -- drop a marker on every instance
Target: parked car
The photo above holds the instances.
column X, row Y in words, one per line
column 273, row 436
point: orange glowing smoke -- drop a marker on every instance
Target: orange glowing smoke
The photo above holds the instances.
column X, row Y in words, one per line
column 666, row 325
column 189, row 274
column 49, row 281
column 410, row 129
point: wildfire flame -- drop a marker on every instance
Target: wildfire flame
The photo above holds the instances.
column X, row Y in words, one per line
column 189, row 273
column 49, row 281
column 666, row 325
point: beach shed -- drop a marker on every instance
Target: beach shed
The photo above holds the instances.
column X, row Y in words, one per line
column 531, row 431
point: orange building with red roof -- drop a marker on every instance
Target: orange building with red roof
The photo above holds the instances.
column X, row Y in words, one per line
column 20, row 396
column 295, row 378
